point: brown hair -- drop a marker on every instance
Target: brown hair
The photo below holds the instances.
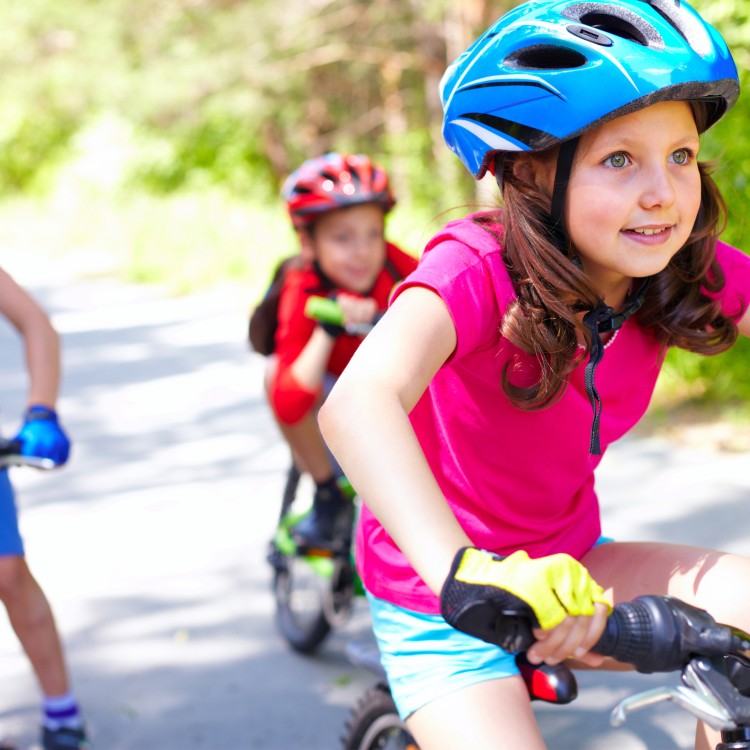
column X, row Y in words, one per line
column 552, row 292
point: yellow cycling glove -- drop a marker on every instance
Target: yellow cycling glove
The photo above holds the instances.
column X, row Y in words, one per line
column 486, row 595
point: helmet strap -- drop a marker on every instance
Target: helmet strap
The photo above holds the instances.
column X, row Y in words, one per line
column 557, row 207
column 603, row 319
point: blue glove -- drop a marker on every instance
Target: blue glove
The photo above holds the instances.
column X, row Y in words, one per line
column 42, row 436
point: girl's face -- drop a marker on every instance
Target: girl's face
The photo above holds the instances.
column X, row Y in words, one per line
column 349, row 245
column 634, row 193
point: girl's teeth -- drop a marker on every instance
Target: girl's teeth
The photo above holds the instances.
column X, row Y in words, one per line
column 648, row 231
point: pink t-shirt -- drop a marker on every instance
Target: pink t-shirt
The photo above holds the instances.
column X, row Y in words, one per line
column 515, row 479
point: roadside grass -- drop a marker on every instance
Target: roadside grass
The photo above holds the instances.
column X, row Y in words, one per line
column 184, row 242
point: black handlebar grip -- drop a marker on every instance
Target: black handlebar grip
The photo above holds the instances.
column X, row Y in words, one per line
column 661, row 634
column 629, row 635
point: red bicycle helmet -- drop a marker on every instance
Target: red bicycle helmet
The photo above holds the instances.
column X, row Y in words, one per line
column 333, row 181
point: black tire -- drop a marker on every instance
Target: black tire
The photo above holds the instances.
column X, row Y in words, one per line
column 313, row 595
column 300, row 611
column 374, row 724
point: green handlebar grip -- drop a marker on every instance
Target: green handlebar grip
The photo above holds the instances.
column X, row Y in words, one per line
column 325, row 310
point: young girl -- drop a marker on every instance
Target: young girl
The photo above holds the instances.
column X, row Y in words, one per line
column 530, row 338
column 338, row 204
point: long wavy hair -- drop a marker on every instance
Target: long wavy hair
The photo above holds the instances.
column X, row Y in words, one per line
column 546, row 319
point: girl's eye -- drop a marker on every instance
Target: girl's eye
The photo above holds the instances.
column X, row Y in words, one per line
column 618, row 160
column 682, row 156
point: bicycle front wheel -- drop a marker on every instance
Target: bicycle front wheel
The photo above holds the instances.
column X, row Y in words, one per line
column 374, row 724
column 300, row 591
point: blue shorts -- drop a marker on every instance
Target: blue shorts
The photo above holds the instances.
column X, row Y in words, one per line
column 425, row 658
column 10, row 537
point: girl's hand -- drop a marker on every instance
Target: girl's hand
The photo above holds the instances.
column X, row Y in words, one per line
column 571, row 639
column 356, row 309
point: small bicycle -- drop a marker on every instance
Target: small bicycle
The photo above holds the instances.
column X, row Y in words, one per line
column 313, row 588
column 653, row 633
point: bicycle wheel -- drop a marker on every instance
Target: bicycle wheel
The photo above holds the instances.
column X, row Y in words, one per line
column 374, row 724
column 300, row 591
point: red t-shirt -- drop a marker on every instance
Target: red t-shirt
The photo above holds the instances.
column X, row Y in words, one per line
column 290, row 400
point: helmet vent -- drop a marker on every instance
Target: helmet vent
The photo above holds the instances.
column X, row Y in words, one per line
column 545, row 57
column 615, row 27
column 616, row 21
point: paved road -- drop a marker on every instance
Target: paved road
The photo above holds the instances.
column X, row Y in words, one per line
column 151, row 543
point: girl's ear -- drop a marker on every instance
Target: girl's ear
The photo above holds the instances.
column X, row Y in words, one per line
column 536, row 171
column 523, row 169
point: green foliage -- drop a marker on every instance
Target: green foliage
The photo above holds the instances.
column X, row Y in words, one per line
column 31, row 146
column 722, row 378
column 219, row 151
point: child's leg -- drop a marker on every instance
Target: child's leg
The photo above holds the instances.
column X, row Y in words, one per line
column 455, row 692
column 308, row 448
column 32, row 621
column 714, row 581
column 494, row 714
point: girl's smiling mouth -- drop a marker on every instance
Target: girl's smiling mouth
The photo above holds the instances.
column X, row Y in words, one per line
column 650, row 234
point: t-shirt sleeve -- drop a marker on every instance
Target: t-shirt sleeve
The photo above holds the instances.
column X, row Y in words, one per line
column 735, row 296
column 474, row 286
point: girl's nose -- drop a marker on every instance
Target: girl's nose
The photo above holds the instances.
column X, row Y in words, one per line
column 658, row 188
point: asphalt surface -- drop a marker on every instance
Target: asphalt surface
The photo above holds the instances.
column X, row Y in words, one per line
column 151, row 543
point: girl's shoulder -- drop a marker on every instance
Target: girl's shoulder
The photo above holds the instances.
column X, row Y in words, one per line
column 471, row 248
column 481, row 232
column 463, row 264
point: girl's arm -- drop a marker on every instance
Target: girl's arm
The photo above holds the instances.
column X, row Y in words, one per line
column 365, row 422
column 40, row 340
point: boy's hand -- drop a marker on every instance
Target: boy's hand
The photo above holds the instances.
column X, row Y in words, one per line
column 42, row 436
column 355, row 310
column 483, row 589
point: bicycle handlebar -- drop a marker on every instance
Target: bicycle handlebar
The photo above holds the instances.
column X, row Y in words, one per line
column 327, row 310
column 10, row 455
column 664, row 634
column 653, row 633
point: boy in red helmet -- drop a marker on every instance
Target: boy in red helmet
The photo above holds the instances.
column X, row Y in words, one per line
column 338, row 205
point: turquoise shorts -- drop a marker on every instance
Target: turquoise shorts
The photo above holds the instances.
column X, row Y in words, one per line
column 425, row 658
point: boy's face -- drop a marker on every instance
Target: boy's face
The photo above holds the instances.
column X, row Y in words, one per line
column 349, row 245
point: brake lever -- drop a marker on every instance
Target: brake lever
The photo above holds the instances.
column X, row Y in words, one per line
column 694, row 696
column 707, row 693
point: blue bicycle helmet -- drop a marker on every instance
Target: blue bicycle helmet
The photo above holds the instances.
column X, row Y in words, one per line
column 549, row 70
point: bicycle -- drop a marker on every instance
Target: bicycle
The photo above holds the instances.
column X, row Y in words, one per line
column 313, row 588
column 652, row 633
